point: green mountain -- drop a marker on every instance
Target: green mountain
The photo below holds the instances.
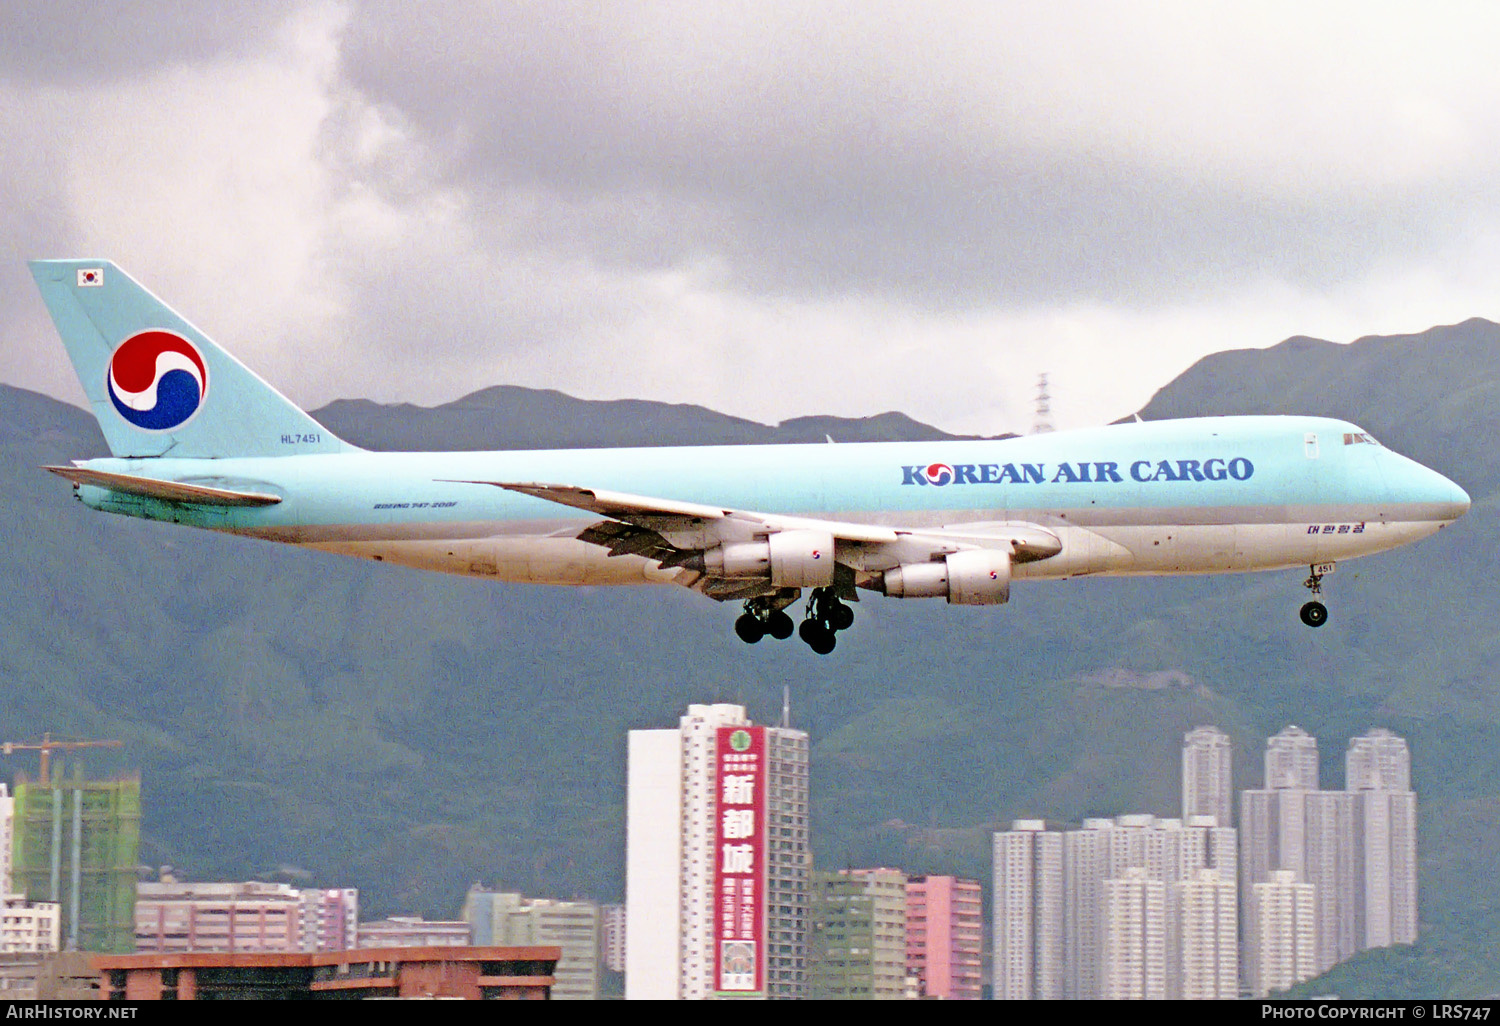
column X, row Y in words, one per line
column 407, row 733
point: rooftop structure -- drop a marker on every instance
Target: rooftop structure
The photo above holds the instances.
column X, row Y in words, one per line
column 415, row 932
column 250, row 915
column 505, row 917
column 436, row 972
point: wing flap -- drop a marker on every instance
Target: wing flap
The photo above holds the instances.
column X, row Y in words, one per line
column 167, row 491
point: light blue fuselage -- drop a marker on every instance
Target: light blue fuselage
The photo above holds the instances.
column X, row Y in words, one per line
column 1205, row 495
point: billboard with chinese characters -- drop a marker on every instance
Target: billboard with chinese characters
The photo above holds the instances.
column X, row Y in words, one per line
column 740, row 861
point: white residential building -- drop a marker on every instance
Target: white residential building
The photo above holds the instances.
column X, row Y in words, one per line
column 1205, row 938
column 612, row 937
column 1384, row 814
column 29, row 926
column 654, row 865
column 671, row 810
column 1292, row 760
column 1051, row 927
column 1292, row 825
column 1282, row 934
column 1355, row 847
column 1135, row 937
column 1029, row 912
column 1207, row 775
column 1377, row 761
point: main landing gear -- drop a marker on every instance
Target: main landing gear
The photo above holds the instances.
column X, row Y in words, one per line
column 826, row 615
column 765, row 615
column 1314, row 613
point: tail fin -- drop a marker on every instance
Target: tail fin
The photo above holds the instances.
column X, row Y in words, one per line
column 157, row 385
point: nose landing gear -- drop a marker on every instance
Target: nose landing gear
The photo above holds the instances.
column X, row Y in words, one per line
column 1314, row 613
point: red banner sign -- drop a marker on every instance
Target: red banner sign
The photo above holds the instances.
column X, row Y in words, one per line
column 739, row 865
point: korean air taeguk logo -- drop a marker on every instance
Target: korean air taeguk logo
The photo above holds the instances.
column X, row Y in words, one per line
column 157, row 380
column 938, row 473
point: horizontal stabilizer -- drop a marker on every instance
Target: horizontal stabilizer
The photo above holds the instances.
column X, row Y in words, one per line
column 167, row 491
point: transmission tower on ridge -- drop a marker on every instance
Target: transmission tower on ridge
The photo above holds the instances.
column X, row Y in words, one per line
column 1043, row 422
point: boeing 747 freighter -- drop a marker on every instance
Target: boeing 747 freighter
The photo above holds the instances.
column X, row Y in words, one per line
column 199, row 439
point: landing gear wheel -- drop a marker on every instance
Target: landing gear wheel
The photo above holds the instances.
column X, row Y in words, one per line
column 765, row 614
column 840, row 617
column 1315, row 614
column 749, row 629
column 826, row 608
column 819, row 638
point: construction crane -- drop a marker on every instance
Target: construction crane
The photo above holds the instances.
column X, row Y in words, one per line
column 47, row 745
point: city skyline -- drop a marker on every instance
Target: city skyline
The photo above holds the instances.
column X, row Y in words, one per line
column 1134, row 906
column 1141, row 907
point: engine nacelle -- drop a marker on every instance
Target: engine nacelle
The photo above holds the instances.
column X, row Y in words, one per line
column 791, row 559
column 974, row 577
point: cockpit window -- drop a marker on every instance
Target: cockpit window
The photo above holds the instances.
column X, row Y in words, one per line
column 1358, row 438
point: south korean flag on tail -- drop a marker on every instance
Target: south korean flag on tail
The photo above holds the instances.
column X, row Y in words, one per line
column 90, row 276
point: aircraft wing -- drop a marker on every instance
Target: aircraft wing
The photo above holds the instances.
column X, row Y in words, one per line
column 639, row 509
column 677, row 533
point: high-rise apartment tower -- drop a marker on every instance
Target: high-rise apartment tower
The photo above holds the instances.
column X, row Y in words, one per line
column 717, row 859
column 1207, row 775
column 944, row 937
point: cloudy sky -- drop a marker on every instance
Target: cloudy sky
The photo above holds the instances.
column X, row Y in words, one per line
column 771, row 209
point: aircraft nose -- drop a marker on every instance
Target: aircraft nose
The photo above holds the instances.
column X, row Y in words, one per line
column 1452, row 501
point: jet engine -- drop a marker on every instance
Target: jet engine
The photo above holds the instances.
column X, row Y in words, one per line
column 791, row 559
column 973, row 577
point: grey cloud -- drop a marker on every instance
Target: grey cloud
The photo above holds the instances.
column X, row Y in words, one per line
column 35, row 222
column 662, row 141
column 69, row 42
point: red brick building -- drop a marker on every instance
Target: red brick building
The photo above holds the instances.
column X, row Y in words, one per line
column 524, row 973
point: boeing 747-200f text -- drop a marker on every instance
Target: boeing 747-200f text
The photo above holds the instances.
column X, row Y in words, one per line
column 199, row 439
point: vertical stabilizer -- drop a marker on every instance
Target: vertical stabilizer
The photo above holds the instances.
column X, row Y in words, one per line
column 157, row 385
